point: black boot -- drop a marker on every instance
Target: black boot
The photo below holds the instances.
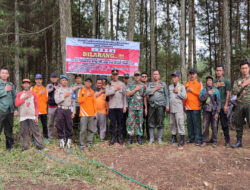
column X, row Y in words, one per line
column 238, row 143
column 9, row 144
column 119, row 140
column 139, row 140
column 181, row 143
column 112, row 141
column 130, row 140
column 173, row 140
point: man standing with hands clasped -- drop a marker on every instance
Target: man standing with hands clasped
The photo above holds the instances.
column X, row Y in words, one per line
column 241, row 88
column 116, row 92
column 158, row 104
column 177, row 93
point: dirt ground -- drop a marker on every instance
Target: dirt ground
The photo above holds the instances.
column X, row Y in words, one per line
column 166, row 167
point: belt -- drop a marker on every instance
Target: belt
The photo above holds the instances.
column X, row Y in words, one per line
column 65, row 107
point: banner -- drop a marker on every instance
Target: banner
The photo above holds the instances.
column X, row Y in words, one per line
column 100, row 57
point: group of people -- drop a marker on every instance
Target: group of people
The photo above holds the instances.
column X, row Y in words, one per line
column 135, row 108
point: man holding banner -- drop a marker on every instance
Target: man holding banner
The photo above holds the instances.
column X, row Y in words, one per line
column 117, row 106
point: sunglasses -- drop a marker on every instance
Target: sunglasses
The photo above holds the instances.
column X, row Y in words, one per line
column 143, row 76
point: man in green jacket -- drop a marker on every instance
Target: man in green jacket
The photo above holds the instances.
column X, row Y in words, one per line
column 7, row 107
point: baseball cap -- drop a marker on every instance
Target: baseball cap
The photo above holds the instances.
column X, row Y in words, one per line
column 177, row 74
column 64, row 77
column 126, row 75
column 26, row 80
column 115, row 72
column 192, row 71
column 137, row 73
column 88, row 79
column 38, row 76
column 53, row 75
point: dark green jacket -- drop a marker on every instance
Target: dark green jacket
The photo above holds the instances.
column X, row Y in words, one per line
column 7, row 99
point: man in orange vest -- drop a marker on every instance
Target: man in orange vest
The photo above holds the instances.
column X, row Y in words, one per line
column 192, row 107
column 42, row 98
column 87, row 102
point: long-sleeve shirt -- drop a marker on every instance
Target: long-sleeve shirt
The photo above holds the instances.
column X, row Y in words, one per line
column 192, row 102
column 117, row 99
column 76, row 93
column 211, row 103
column 176, row 99
column 28, row 108
column 51, row 94
column 42, row 98
column 159, row 97
column 7, row 99
column 65, row 101
column 87, row 103
column 243, row 94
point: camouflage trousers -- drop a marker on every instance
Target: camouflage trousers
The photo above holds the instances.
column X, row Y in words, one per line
column 242, row 111
column 134, row 122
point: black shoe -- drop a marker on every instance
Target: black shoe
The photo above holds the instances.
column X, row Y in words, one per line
column 130, row 140
column 119, row 140
column 210, row 141
column 181, row 143
column 173, row 140
column 238, row 143
column 189, row 141
column 112, row 141
column 139, row 140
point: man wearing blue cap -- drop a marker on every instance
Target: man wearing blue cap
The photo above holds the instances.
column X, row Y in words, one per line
column 65, row 112
column 42, row 97
column 177, row 93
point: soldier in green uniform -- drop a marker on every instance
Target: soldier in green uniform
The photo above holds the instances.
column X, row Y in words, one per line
column 158, row 99
column 241, row 88
column 135, row 92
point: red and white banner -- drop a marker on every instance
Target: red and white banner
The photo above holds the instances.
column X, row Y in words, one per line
column 100, row 57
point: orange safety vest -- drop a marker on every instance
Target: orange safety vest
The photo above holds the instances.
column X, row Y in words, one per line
column 87, row 103
column 42, row 98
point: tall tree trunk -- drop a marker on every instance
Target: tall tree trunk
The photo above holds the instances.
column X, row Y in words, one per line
column 227, row 39
column 190, row 35
column 156, row 37
column 152, row 36
column 194, row 40
column 94, row 19
column 141, row 34
column 168, row 58
column 183, row 41
column 146, row 36
column 117, row 19
column 106, row 18
column 209, row 38
column 248, row 23
column 17, row 67
column 214, row 35
column 65, row 27
column 220, row 34
column 131, row 20
column 237, row 25
column 54, row 40
column 79, row 24
column 111, row 20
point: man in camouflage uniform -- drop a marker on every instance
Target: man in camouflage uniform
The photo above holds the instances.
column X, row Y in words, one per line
column 135, row 92
column 158, row 103
column 241, row 88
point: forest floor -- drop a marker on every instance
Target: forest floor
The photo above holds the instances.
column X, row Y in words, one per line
column 157, row 166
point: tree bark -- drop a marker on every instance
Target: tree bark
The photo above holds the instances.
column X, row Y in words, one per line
column 190, row 35
column 146, row 36
column 168, row 58
column 94, row 19
column 209, row 38
column 237, row 25
column 117, row 19
column 152, row 36
column 248, row 23
column 183, row 41
column 227, row 39
column 194, row 40
column 141, row 34
column 106, row 23
column 111, row 20
column 131, row 20
column 65, row 27
column 17, row 66
column 220, row 34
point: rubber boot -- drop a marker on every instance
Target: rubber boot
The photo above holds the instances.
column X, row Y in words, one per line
column 159, row 134
column 238, row 143
column 181, row 143
column 112, row 141
column 139, row 140
column 9, row 144
column 173, row 140
column 119, row 140
column 130, row 140
column 151, row 135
